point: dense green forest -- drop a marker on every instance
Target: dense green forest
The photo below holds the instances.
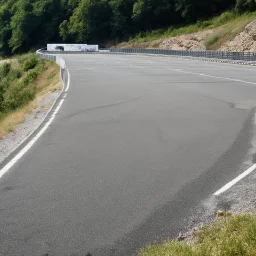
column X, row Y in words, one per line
column 27, row 24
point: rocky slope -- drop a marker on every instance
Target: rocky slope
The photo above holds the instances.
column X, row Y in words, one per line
column 244, row 41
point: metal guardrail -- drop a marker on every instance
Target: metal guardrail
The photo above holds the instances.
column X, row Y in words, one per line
column 221, row 55
column 45, row 55
column 243, row 56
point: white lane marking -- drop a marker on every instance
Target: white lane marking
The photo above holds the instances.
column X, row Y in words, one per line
column 7, row 167
column 68, row 81
column 221, row 64
column 14, row 160
column 234, row 181
column 217, row 77
column 229, row 66
column 133, row 66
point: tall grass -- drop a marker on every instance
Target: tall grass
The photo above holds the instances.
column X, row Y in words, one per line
column 225, row 18
column 230, row 236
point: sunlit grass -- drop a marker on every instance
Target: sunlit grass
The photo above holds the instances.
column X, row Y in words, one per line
column 229, row 236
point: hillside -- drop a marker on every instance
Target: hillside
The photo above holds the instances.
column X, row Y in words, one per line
column 244, row 41
column 30, row 24
column 235, row 33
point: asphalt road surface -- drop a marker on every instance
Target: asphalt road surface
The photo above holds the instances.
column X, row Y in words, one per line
column 138, row 143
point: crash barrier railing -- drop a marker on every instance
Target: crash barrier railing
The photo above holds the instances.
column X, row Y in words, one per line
column 243, row 56
column 223, row 55
column 63, row 71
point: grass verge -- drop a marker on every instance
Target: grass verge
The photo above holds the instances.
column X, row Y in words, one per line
column 24, row 83
column 229, row 236
column 230, row 18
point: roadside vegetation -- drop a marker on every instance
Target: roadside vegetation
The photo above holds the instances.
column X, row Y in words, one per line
column 28, row 24
column 235, row 24
column 229, row 236
column 229, row 24
column 23, row 82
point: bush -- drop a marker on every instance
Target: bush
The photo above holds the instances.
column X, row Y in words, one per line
column 14, row 74
column 30, row 77
column 4, row 70
column 224, row 18
column 17, row 96
column 30, row 63
column 16, row 87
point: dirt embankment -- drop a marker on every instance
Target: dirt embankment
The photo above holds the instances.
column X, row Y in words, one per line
column 194, row 41
column 244, row 41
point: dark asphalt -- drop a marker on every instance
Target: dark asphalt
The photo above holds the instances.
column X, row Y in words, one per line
column 136, row 146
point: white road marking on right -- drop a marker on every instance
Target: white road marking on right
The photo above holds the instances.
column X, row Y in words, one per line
column 133, row 66
column 235, row 181
column 217, row 77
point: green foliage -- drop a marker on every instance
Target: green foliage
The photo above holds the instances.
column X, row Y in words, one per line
column 245, row 5
column 227, row 18
column 16, row 96
column 4, row 70
column 26, row 24
column 30, row 63
column 14, row 74
column 90, row 21
column 16, row 84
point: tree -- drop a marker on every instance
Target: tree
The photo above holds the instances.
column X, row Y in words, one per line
column 5, row 29
column 121, row 21
column 192, row 10
column 23, row 22
column 245, row 5
column 150, row 14
column 90, row 22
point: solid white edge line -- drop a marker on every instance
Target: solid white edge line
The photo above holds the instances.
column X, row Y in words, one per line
column 235, row 181
column 68, row 81
column 14, row 160
column 7, row 167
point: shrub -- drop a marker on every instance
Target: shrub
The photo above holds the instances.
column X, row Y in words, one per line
column 30, row 63
column 14, row 74
column 17, row 96
column 30, row 77
column 4, row 70
column 224, row 18
column 211, row 40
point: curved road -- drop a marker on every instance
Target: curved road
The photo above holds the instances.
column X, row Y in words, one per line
column 137, row 145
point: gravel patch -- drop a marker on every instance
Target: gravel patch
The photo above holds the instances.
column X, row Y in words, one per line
column 11, row 141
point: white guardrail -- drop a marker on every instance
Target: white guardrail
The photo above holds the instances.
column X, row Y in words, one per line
column 58, row 60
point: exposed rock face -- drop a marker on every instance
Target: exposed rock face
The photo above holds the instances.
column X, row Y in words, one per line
column 194, row 41
column 245, row 41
